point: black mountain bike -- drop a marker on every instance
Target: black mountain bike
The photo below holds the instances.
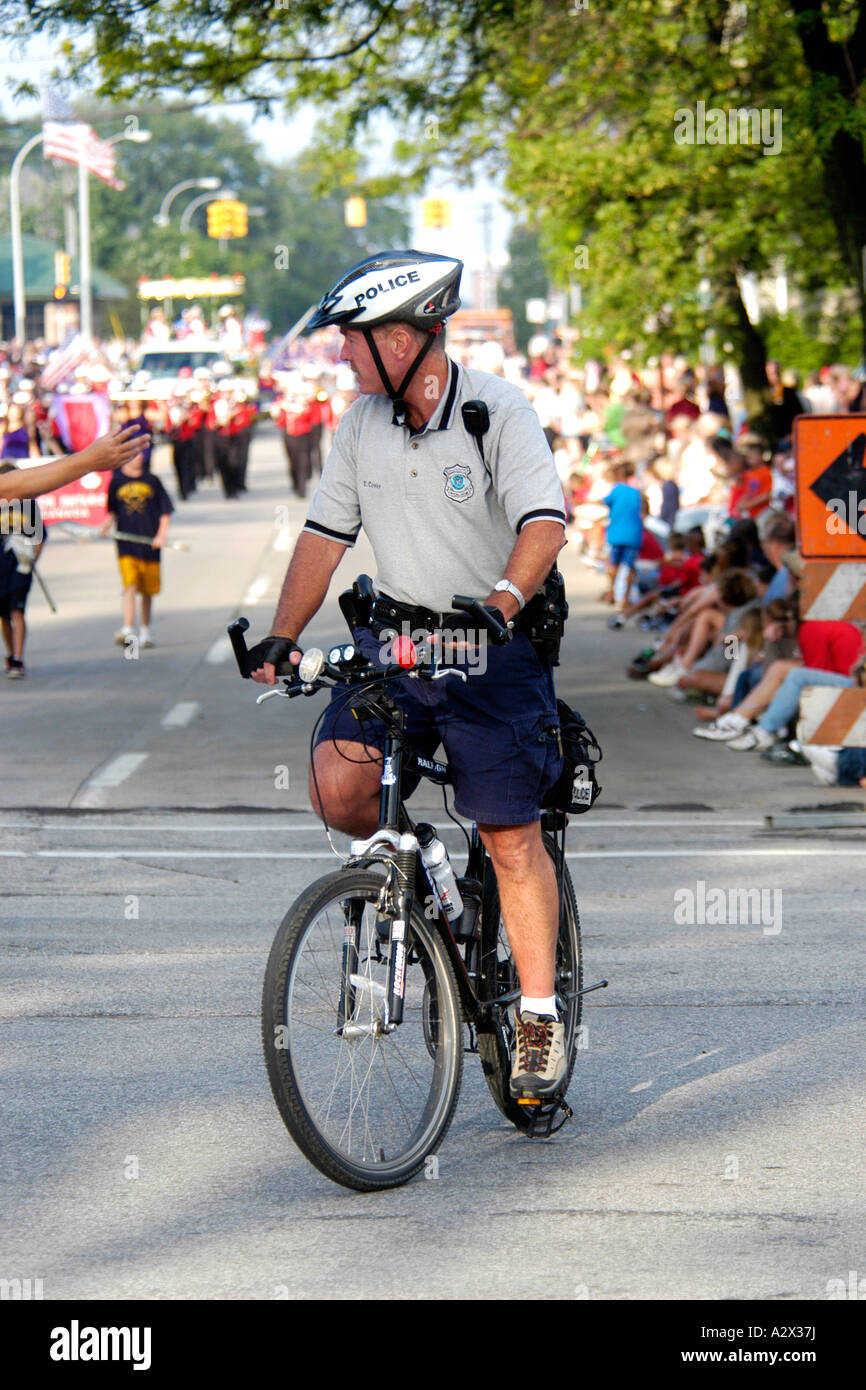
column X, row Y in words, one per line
column 369, row 987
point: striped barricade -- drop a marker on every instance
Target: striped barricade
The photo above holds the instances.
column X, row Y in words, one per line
column 832, row 716
column 833, row 589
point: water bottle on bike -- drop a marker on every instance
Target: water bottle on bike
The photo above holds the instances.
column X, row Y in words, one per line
column 443, row 881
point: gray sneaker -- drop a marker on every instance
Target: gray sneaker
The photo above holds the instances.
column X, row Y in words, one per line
column 539, row 1060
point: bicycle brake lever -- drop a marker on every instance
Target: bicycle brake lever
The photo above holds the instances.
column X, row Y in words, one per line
column 439, row 675
column 269, row 695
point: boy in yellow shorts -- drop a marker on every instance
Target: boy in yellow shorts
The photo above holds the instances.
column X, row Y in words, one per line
column 139, row 505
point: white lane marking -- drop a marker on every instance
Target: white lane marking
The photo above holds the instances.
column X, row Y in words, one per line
column 219, row 651
column 283, row 539
column 54, row 826
column 708, row 852
column 257, row 589
column 317, row 825
column 326, row 854
column 181, row 714
column 672, row 824
column 95, row 791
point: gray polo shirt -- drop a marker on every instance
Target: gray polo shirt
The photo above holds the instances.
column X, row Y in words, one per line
column 440, row 520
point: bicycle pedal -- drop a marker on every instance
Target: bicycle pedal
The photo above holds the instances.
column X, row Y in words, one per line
column 549, row 1118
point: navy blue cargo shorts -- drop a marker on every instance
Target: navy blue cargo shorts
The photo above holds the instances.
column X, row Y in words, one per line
column 498, row 728
column 13, row 599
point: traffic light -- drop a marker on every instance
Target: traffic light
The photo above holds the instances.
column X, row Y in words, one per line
column 355, row 210
column 62, row 274
column 216, row 219
column 226, row 218
column 435, row 212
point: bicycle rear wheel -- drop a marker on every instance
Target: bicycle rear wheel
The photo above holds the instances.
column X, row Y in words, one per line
column 364, row 1105
column 500, row 975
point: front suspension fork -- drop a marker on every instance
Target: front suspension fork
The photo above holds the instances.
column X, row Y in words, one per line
column 404, row 896
column 354, row 912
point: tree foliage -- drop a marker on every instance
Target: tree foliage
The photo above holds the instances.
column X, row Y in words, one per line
column 524, row 278
column 575, row 103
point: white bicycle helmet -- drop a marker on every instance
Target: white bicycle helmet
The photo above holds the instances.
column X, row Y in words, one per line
column 415, row 287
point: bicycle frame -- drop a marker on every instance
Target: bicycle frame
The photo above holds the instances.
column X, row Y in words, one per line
column 396, row 830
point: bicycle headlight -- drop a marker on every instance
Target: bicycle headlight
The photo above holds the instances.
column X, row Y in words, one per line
column 311, row 664
column 338, row 654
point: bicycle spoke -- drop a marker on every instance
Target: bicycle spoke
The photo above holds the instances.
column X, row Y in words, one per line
column 373, row 1093
column 396, row 1093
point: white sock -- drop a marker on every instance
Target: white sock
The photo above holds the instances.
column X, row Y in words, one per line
column 733, row 721
column 539, row 1006
column 145, row 634
column 127, row 631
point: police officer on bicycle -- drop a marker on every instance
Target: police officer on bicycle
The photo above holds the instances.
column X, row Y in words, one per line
column 448, row 510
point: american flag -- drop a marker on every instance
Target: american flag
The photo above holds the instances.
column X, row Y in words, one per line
column 75, row 143
column 63, row 361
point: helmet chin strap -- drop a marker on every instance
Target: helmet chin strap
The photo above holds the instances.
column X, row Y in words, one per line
column 396, row 394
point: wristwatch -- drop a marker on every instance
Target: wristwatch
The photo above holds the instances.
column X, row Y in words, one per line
column 512, row 589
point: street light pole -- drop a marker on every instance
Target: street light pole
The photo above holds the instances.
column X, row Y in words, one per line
column 85, row 274
column 186, row 216
column 162, row 218
column 17, row 244
column 18, row 295
column 85, row 278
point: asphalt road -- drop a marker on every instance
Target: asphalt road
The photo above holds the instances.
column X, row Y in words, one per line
column 156, row 829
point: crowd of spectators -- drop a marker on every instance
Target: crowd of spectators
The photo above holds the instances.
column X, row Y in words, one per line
column 670, row 492
column 689, row 513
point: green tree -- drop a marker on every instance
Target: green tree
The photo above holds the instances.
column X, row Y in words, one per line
column 577, row 103
column 524, row 278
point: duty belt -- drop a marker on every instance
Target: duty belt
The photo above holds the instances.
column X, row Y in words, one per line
column 389, row 612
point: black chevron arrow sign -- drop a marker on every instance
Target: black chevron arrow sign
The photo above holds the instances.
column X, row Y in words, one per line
column 842, row 486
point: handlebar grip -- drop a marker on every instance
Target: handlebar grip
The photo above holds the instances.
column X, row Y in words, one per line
column 498, row 631
column 236, row 632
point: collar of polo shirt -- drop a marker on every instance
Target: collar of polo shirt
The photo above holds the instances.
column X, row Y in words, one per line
column 444, row 413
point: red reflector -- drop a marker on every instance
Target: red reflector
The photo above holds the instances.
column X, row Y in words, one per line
column 404, row 653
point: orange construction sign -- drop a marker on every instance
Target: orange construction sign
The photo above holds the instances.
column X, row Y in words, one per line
column 831, row 486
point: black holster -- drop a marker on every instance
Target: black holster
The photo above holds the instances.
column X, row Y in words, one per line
column 543, row 619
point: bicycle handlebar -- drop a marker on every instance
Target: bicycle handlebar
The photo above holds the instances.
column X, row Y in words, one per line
column 236, row 632
column 500, row 632
column 289, row 673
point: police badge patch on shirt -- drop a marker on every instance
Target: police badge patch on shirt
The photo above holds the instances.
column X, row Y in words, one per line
column 458, row 483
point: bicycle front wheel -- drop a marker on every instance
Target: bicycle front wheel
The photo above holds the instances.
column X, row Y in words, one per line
column 365, row 1105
